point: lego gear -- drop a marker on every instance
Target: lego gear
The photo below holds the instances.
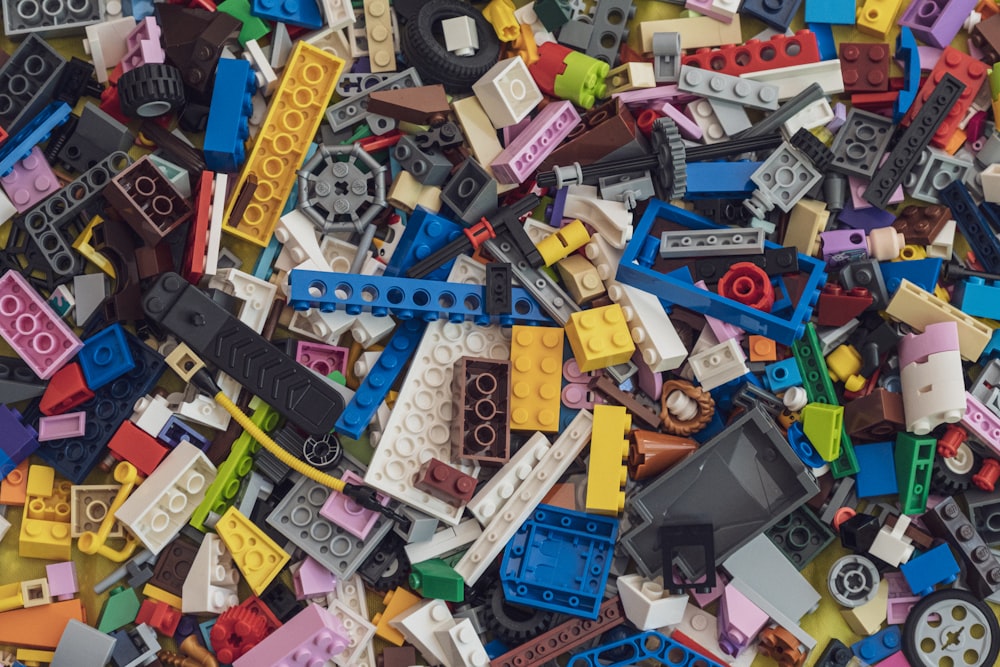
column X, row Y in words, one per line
column 515, row 624
column 151, row 90
column 668, row 146
column 435, row 64
column 953, row 475
column 951, row 623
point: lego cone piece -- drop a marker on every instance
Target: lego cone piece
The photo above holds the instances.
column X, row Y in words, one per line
column 651, row 453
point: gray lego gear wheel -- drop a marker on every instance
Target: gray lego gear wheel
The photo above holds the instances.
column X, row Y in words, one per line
column 669, row 148
column 341, row 188
column 951, row 627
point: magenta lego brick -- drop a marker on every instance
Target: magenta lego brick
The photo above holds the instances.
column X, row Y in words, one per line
column 32, row 328
column 62, row 580
column 535, row 143
column 68, row 425
column 937, row 337
column 347, row 514
column 324, row 359
column 936, row 22
column 30, row 181
column 313, row 636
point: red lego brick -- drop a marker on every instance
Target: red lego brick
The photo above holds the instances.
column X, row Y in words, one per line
column 757, row 56
column 865, row 67
column 966, row 69
column 197, row 245
column 449, row 484
column 160, row 616
column 837, row 306
column 130, row 443
column 235, row 632
column 66, row 390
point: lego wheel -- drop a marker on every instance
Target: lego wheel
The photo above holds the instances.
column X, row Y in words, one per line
column 151, row 90
column 515, row 624
column 951, row 627
column 423, row 45
column 953, row 475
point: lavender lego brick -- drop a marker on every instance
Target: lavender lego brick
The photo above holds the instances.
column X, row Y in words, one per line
column 518, row 160
column 347, row 514
column 68, row 425
column 143, row 45
column 313, row 636
column 62, row 580
column 936, row 22
column 30, row 182
column 312, row 579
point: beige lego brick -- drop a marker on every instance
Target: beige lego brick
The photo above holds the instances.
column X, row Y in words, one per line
column 580, row 278
column 867, row 619
column 479, row 134
column 919, row 308
column 406, row 192
column 808, row 219
column 698, row 32
column 378, row 26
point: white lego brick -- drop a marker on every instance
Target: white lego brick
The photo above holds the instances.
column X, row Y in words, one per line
column 359, row 634
column 298, row 236
column 603, row 256
column 537, row 230
column 7, row 210
column 369, row 329
column 467, row 271
column 335, row 42
column 532, row 490
column 700, row 111
column 267, row 80
column 462, row 646
column 719, row 364
column 703, row 628
column 793, row 80
column 339, row 253
column 257, row 295
column 281, row 46
column 610, row 219
column 105, row 44
column 4, row 527
column 460, row 36
column 201, row 409
column 215, row 224
column 445, row 541
column 941, row 245
column 210, row 587
column 891, row 544
column 991, row 183
column 351, row 592
column 158, row 509
column 816, row 114
column 653, row 332
column 320, row 326
column 507, row 92
column 933, row 392
column 151, row 414
column 338, row 13
column 505, row 483
column 421, row 624
column 646, row 605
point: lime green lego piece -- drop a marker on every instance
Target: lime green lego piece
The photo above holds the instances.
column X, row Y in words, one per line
column 582, row 82
column 914, row 461
column 823, row 424
column 436, row 579
column 995, row 81
column 120, row 609
column 253, row 27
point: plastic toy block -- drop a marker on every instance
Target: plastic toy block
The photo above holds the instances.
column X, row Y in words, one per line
column 257, row 556
column 481, row 397
column 823, row 425
column 396, row 602
column 777, row 15
column 347, row 514
column 982, row 570
column 966, row 70
column 82, row 646
column 436, row 579
column 13, row 487
column 69, row 425
column 536, row 358
column 973, row 224
column 919, row 309
column 837, row 12
column 718, row 364
column 535, row 142
column 210, row 586
column 33, row 329
column 698, row 33
column 445, row 482
column 305, row 14
column 30, row 181
column 801, row 537
column 575, row 544
column 160, row 616
column 608, row 450
column 41, row 481
column 876, row 17
column 143, row 45
column 105, row 357
column 782, row 375
column 600, row 338
column 131, row 444
column 879, row 646
column 710, row 243
column 877, row 476
column 20, row 440
column 228, row 118
column 28, row 81
column 933, row 567
column 755, row 55
column 795, row 80
column 313, row 635
column 132, row 193
column 319, row 71
column 39, row 627
column 935, row 22
column 507, row 92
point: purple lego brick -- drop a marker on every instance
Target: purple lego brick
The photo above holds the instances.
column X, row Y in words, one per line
column 33, row 329
column 535, row 143
column 938, row 337
column 62, row 580
column 866, row 219
column 843, row 245
column 839, row 117
column 311, row 579
column 19, row 440
column 68, row 425
column 936, row 22
column 347, row 514
column 30, row 182
column 645, row 96
column 313, row 636
column 142, row 46
column 981, row 422
column 323, row 359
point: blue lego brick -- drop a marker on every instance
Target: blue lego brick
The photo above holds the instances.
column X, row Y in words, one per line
column 74, row 458
column 495, row 649
column 175, row 430
column 879, row 646
column 775, row 13
column 229, row 116
column 19, row 439
column 559, row 560
column 639, row 648
column 837, row 12
column 406, row 298
column 992, row 350
column 678, row 288
column 782, row 374
column 937, row 566
column 19, row 146
column 907, row 54
column 6, row 465
column 720, row 180
column 303, row 13
column 973, row 225
column 105, row 357
column 424, row 234
column 263, row 267
column 803, row 448
column 978, row 299
column 373, row 389
column 921, row 272
column 877, row 473
column 824, row 40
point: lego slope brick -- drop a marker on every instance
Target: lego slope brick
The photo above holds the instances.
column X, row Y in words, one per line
column 33, row 329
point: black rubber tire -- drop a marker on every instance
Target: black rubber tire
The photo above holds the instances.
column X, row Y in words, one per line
column 436, row 64
column 151, row 90
column 947, row 482
column 910, row 648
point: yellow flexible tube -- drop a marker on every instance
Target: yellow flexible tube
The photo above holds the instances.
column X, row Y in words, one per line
column 270, row 445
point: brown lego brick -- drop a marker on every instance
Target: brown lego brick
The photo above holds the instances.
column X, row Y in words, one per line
column 919, row 537
column 176, row 150
column 603, row 130
column 865, row 67
column 986, row 37
column 425, row 105
column 173, row 565
column 398, row 656
column 650, row 453
column 147, row 201
column 607, row 387
column 874, row 417
column 445, row 482
column 480, row 428
column 920, row 225
column 115, row 240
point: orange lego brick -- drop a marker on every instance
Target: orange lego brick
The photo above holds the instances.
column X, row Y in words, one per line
column 14, row 487
column 39, row 627
column 763, row 349
column 396, row 602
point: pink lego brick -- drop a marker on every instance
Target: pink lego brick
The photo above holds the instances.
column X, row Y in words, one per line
column 323, row 359
column 578, row 396
column 347, row 514
column 897, row 609
column 687, row 127
column 32, row 328
column 30, row 182
column 981, row 422
column 708, row 8
column 723, row 331
column 857, row 187
column 535, row 143
column 645, row 96
column 895, row 660
column 62, row 580
column 739, row 621
column 705, row 599
column 311, row 579
column 312, row 637
column 512, row 132
column 68, row 425
column 142, row 46
column 939, row 337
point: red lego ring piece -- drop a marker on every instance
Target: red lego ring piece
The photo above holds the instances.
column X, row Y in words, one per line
column 748, row 284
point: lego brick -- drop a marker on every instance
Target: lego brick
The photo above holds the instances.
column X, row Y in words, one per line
column 258, row 557
column 973, row 224
column 662, row 350
column 313, row 635
column 719, row 364
column 727, row 88
column 608, row 451
column 982, row 570
column 132, row 191
column 354, row 109
column 793, row 80
column 39, row 627
column 968, row 71
column 480, row 430
column 210, row 585
column 861, row 143
column 933, row 171
column 535, row 142
column 31, row 327
column 28, row 81
column 708, row 243
column 536, row 355
column 698, row 32
column 507, row 92
column 82, row 646
column 229, row 115
column 30, row 181
column 800, row 536
column 919, row 309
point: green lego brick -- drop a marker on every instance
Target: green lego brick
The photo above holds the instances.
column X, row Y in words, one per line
column 121, row 609
column 914, row 462
column 436, row 579
column 253, row 27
